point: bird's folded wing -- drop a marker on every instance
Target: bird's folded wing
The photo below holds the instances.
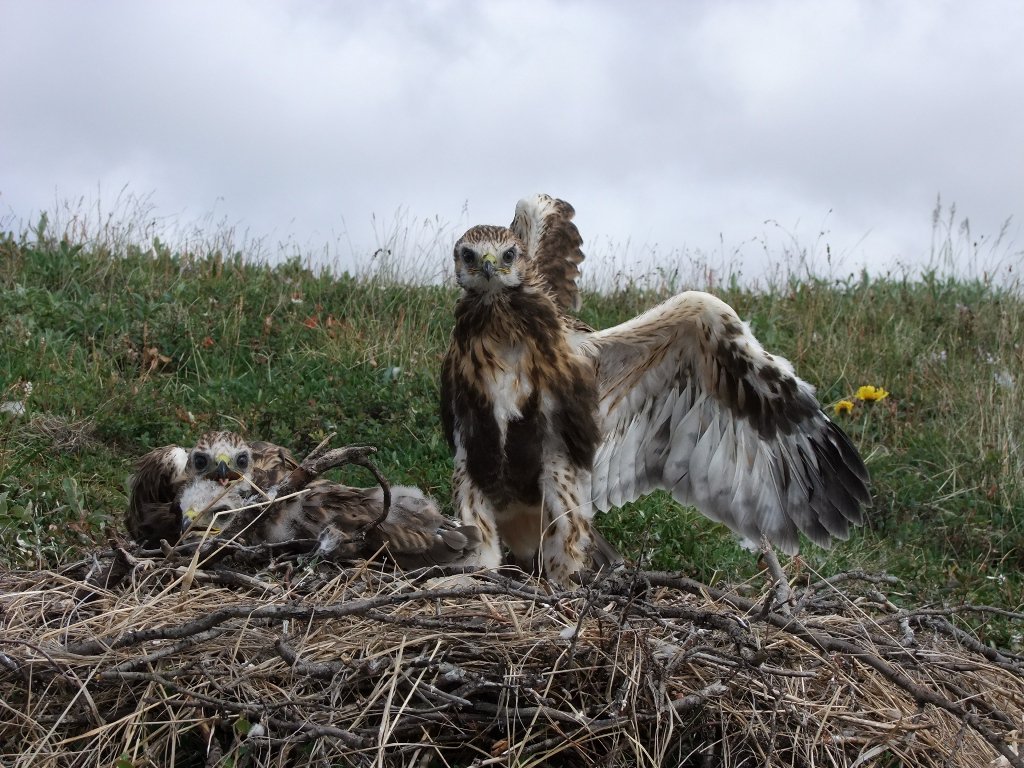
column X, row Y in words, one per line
column 159, row 476
column 691, row 403
column 414, row 533
column 552, row 241
column 418, row 535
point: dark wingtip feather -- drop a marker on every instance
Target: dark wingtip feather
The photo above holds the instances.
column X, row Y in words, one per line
column 844, row 475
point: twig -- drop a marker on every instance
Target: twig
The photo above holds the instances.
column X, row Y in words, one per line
column 833, row 645
column 783, row 594
column 965, row 639
column 203, row 700
column 290, row 612
column 315, row 465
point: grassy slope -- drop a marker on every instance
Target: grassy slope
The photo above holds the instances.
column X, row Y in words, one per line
column 130, row 350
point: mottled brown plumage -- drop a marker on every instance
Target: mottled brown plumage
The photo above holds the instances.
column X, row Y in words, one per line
column 691, row 403
column 152, row 514
column 544, row 226
column 223, row 485
column 548, row 421
column 517, row 398
column 153, row 509
column 414, row 534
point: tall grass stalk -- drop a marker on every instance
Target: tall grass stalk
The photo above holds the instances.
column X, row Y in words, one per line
column 129, row 343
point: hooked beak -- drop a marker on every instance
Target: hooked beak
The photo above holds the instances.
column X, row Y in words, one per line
column 189, row 518
column 222, row 473
column 488, row 265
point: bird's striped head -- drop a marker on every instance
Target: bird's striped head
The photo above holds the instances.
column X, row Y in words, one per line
column 489, row 260
column 221, row 456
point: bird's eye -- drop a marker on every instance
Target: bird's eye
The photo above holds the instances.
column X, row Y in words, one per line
column 508, row 256
column 242, row 462
column 200, row 461
column 468, row 255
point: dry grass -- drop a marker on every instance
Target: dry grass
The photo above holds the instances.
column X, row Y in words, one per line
column 290, row 664
column 67, row 435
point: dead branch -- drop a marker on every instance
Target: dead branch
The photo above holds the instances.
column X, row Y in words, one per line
column 834, row 645
column 633, row 668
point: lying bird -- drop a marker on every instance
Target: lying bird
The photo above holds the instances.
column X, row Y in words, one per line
column 207, row 507
column 225, row 485
column 344, row 520
column 549, row 421
column 154, row 511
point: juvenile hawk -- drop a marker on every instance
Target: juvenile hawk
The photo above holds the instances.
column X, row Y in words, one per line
column 413, row 534
column 549, row 421
column 207, row 506
column 154, row 512
column 223, row 483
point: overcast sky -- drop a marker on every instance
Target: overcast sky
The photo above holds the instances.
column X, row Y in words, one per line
column 728, row 130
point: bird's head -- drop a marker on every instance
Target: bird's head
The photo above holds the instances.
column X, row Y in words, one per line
column 220, row 456
column 489, row 260
column 206, row 505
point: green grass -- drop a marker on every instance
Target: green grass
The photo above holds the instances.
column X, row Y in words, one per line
column 128, row 348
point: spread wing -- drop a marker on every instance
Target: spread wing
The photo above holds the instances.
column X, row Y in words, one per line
column 552, row 241
column 152, row 512
column 691, row 403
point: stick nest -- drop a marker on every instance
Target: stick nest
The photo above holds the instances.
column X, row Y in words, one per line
column 187, row 662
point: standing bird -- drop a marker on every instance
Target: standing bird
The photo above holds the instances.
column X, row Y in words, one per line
column 549, row 421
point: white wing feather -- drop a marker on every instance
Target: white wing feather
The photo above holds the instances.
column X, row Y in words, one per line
column 691, row 403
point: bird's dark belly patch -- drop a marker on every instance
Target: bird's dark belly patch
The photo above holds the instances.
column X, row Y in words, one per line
column 511, row 472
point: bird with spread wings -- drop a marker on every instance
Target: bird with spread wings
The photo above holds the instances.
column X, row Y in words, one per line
column 550, row 421
column 226, row 484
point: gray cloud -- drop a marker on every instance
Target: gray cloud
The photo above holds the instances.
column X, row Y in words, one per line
column 685, row 125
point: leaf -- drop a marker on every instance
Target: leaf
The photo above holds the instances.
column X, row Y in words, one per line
column 73, row 496
column 242, row 726
column 152, row 358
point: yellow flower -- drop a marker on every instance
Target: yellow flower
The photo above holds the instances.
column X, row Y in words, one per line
column 843, row 406
column 869, row 393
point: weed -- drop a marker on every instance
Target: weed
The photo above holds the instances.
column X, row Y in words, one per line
column 130, row 344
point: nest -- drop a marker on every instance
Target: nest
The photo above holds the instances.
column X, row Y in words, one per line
column 245, row 663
